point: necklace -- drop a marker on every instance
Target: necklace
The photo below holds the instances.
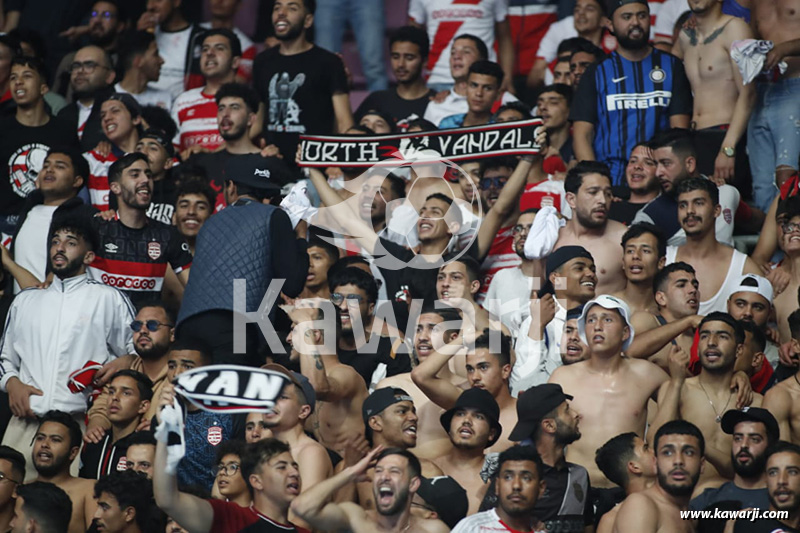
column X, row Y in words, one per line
column 718, row 418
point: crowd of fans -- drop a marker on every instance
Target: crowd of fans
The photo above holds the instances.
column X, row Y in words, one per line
column 600, row 335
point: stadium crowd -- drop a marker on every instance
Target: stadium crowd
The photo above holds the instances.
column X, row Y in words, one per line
column 593, row 329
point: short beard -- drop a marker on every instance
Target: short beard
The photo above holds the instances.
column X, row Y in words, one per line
column 54, row 469
column 293, row 33
column 588, row 222
column 154, row 353
column 102, row 40
column 679, row 491
column 565, row 435
column 751, row 470
column 69, row 270
column 234, row 134
column 633, row 44
column 399, row 503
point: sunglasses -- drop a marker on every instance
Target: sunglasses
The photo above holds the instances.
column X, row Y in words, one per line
column 152, row 325
column 497, row 182
column 337, row 298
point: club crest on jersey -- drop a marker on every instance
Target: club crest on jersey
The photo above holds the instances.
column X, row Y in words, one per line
column 214, row 436
column 726, row 213
column 154, row 250
column 122, row 464
column 657, row 75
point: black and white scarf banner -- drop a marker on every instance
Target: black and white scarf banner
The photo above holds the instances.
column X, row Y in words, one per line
column 231, row 388
column 460, row 144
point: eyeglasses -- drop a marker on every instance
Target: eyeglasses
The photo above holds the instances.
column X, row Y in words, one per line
column 790, row 227
column 229, row 469
column 521, row 228
column 497, row 182
column 152, row 325
column 337, row 298
column 5, row 477
column 88, row 66
column 104, row 14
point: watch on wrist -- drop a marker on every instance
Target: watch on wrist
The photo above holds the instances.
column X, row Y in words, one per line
column 728, row 151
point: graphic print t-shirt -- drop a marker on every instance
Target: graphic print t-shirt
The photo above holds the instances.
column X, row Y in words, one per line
column 297, row 91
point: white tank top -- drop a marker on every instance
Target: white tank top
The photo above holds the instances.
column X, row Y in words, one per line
column 718, row 302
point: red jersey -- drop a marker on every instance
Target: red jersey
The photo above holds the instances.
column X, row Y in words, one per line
column 195, row 114
column 98, row 178
column 501, row 255
column 230, row 517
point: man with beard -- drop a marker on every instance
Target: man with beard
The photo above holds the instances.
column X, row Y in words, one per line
column 754, row 431
column 719, row 267
column 390, row 421
column 153, row 330
column 628, row 461
column 91, row 76
column 751, row 301
column 57, row 443
column 679, row 447
column 722, row 103
column 135, row 250
column 549, row 424
column 408, row 52
column 140, row 65
column 644, row 251
column 519, row 485
column 432, row 440
column 395, row 480
column 783, row 486
column 703, row 399
column 194, row 110
column 644, row 91
column 588, row 193
column 303, row 87
column 676, row 160
column 640, row 175
column 77, row 305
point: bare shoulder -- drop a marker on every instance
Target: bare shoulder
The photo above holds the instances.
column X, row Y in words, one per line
column 346, row 373
column 647, row 370
column 429, row 525
column 737, row 29
column 643, row 321
column 638, row 502
column 398, row 380
column 777, row 395
column 615, row 230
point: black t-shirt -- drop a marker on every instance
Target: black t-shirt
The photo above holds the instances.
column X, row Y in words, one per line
column 365, row 362
column 624, row 211
column 22, row 153
column 297, row 91
column 402, row 111
column 762, row 526
column 163, row 205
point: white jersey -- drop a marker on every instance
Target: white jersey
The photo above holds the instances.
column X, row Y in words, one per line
column 53, row 332
column 559, row 31
column 486, row 522
column 446, row 19
column 150, row 96
column 668, row 15
column 30, row 251
column 195, row 114
column 718, row 302
column 455, row 104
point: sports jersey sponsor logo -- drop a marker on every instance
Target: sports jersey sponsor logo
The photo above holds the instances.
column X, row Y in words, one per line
column 111, row 248
column 451, row 14
column 619, row 102
column 130, row 283
column 214, row 435
column 153, row 250
column 263, row 173
column 24, row 166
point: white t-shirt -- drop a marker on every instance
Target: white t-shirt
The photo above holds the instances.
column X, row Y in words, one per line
column 670, row 12
column 508, row 298
column 30, row 250
column 150, row 96
column 559, row 31
column 485, row 522
column 172, row 48
column 477, row 18
column 455, row 104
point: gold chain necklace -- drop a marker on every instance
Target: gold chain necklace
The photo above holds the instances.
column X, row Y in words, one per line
column 718, row 418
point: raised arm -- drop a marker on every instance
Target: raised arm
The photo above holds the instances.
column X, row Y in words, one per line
column 778, row 402
column 583, row 140
column 669, row 394
column 505, row 52
column 440, row 391
column 649, row 342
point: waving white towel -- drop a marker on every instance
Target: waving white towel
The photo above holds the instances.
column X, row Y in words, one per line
column 750, row 55
column 543, row 234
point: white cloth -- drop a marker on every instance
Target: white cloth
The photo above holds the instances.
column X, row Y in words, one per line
column 537, row 360
column 150, row 96
column 558, row 31
column 544, row 233
column 668, row 15
column 750, row 56
column 477, row 17
column 30, row 252
column 297, row 203
column 172, row 422
column 172, row 47
column 52, row 332
column 508, row 298
column 719, row 301
column 455, row 104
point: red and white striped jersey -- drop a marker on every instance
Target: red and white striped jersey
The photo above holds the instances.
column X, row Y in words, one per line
column 501, row 255
column 98, row 178
column 195, row 113
column 245, row 70
column 529, row 20
column 446, row 19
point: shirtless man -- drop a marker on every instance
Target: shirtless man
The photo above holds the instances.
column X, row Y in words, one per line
column 679, row 448
column 773, row 115
column 339, row 388
column 55, row 446
column 395, row 480
column 786, row 302
column 644, row 251
column 391, row 422
column 457, row 284
column 486, row 370
column 432, row 440
column 718, row 266
column 783, row 400
column 588, row 188
column 601, row 385
column 628, row 461
column 677, row 293
column 473, row 426
column 722, row 103
column 706, row 397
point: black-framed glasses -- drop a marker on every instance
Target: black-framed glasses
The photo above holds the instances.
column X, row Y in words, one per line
column 521, row 228
column 790, row 227
column 497, row 182
column 152, row 325
column 229, row 469
column 5, row 477
column 88, row 66
column 337, row 298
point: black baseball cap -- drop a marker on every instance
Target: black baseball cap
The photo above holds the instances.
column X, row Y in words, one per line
column 254, row 171
column 751, row 414
column 446, row 496
column 532, row 405
column 613, row 5
column 558, row 258
column 480, row 400
column 129, row 102
column 299, row 380
column 160, row 136
column 380, row 399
